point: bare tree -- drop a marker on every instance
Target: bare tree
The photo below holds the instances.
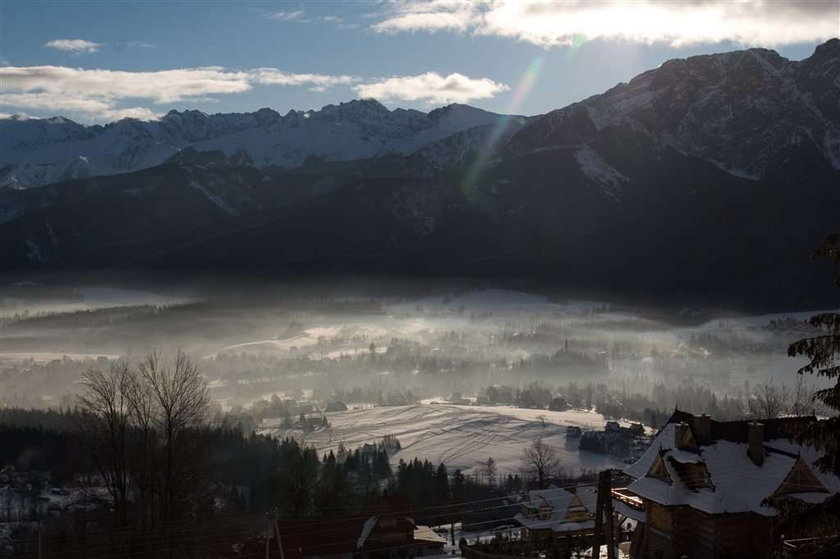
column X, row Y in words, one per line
column 541, row 461
column 801, row 396
column 768, row 401
column 487, row 470
column 145, row 453
column 179, row 402
column 107, row 424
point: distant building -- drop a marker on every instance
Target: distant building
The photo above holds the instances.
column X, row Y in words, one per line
column 558, row 403
column 336, row 406
column 707, row 489
column 636, row 429
column 612, row 426
column 391, row 534
column 550, row 513
column 573, row 432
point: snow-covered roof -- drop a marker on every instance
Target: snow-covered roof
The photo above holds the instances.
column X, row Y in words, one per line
column 426, row 534
column 718, row 476
column 561, row 503
column 555, row 497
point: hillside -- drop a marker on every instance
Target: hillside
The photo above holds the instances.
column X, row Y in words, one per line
column 712, row 177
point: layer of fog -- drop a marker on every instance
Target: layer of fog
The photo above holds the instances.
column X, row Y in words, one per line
column 324, row 344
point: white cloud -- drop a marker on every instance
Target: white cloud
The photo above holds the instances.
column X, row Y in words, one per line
column 73, row 45
column 549, row 23
column 430, row 15
column 164, row 86
column 294, row 15
column 300, row 16
column 273, row 76
column 100, row 93
column 103, row 109
column 140, row 45
column 431, row 87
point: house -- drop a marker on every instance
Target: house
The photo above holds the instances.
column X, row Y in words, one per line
column 626, row 442
column 709, row 489
column 388, row 536
column 548, row 514
column 558, row 403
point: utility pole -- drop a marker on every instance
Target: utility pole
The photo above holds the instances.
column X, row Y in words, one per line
column 599, row 518
column 604, row 510
column 268, row 531
column 608, row 510
column 279, row 541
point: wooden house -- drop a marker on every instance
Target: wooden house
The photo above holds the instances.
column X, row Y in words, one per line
column 549, row 514
column 708, row 489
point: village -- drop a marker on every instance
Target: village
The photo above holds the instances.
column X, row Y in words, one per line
column 696, row 487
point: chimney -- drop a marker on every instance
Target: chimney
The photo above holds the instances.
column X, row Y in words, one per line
column 755, row 437
column 680, row 434
column 703, row 428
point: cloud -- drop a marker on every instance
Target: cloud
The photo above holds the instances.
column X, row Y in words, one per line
column 431, row 87
column 164, row 86
column 104, row 109
column 300, row 16
column 140, row 45
column 99, row 93
column 73, row 45
column 431, row 15
column 548, row 23
column 273, row 76
column 294, row 15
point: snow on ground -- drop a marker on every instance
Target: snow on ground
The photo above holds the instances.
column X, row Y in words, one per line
column 594, row 167
column 459, row 436
column 579, row 418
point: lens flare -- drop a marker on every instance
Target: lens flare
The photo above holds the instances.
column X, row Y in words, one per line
column 577, row 42
column 520, row 93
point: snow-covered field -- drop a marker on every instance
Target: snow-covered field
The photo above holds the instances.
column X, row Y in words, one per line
column 459, row 436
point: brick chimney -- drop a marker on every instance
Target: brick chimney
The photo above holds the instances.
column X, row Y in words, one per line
column 703, row 429
column 680, row 434
column 755, row 438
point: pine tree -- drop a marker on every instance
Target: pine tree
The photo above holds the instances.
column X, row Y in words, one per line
column 823, row 352
column 441, row 484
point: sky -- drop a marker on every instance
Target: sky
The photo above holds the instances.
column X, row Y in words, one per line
column 98, row 61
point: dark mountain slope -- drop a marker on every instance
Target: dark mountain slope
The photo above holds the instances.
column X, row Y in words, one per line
column 710, row 178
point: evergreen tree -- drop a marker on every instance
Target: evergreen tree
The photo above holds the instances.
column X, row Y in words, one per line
column 441, row 484
column 458, row 485
column 823, row 352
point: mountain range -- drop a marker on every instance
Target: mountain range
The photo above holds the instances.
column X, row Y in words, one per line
column 713, row 176
column 35, row 152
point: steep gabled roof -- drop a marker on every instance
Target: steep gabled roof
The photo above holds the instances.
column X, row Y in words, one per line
column 717, row 475
column 569, row 512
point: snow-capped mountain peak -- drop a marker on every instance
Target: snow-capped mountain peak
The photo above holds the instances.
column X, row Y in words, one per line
column 38, row 151
column 735, row 110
